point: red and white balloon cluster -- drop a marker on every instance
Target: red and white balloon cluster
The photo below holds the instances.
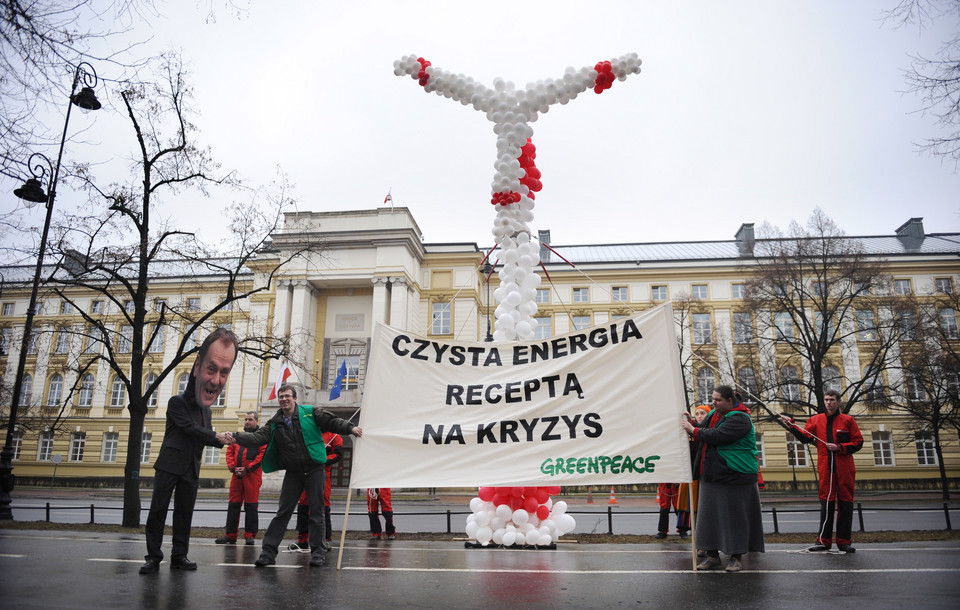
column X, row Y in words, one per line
column 516, row 179
column 518, row 516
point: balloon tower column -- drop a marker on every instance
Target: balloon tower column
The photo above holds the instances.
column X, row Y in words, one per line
column 516, row 515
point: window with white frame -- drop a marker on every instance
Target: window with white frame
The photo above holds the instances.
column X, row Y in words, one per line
column 77, row 442
column 45, row 446
column 784, row 325
column 108, row 452
column 85, row 396
column 619, row 294
column 226, row 305
column 182, row 383
column 902, row 287
column 581, row 295
column 93, row 339
column 543, row 328
column 580, row 322
column 698, row 291
column 706, row 382
column 211, row 455
column 96, row 307
column 152, row 398
column 866, row 325
column 702, row 331
column 831, row 378
column 62, row 345
column 543, row 295
column 873, row 383
column 738, row 291
column 926, row 451
column 129, row 306
column 190, row 341
column 193, row 304
column 66, row 308
column 862, row 288
column 26, row 390
column 55, row 391
column 5, row 335
column 658, row 293
column 742, row 327
column 158, row 341
column 824, row 326
column 8, row 309
column 17, row 444
column 118, row 393
column 915, row 390
column 159, row 305
column 761, row 451
column 125, row 340
column 907, row 324
column 146, row 442
column 747, row 380
column 943, row 285
column 819, row 288
column 440, row 319
column 33, row 341
column 882, row 449
column 352, row 380
column 796, row 451
column 789, row 384
column 948, row 322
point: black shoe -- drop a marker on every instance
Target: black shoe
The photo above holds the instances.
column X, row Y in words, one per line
column 817, row 548
column 264, row 560
column 182, row 563
column 846, row 548
column 249, row 541
column 152, row 566
column 701, row 554
column 316, row 560
column 225, row 540
column 684, row 534
column 660, row 535
column 299, row 546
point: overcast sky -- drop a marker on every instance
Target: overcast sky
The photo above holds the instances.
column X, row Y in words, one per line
column 744, row 111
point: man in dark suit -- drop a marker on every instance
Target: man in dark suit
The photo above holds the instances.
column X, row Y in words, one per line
column 187, row 432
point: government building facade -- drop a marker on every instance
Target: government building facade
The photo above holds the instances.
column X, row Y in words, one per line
column 372, row 266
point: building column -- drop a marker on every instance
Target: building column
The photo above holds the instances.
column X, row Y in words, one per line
column 302, row 330
column 381, row 300
column 399, row 303
column 281, row 326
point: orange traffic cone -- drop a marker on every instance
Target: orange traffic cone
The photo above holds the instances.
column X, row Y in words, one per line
column 589, row 495
column 613, row 497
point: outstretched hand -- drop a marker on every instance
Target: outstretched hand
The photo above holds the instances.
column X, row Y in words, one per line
column 226, row 438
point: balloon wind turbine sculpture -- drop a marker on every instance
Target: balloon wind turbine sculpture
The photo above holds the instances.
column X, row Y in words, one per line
column 516, row 515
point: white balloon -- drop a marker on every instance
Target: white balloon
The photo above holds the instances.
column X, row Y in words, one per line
column 559, row 508
column 484, row 535
column 471, row 530
column 509, row 538
column 533, row 537
column 475, row 504
column 498, row 536
column 483, row 518
column 497, row 523
column 520, row 539
column 504, row 512
column 545, row 540
column 520, row 516
column 524, row 329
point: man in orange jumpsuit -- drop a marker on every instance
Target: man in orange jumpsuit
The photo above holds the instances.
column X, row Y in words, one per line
column 244, row 463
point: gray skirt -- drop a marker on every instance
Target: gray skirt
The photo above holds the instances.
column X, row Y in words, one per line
column 729, row 518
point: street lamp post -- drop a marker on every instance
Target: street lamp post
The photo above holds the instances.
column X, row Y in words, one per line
column 32, row 193
column 487, row 268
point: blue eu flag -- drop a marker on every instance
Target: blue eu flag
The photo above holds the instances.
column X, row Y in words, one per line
column 338, row 382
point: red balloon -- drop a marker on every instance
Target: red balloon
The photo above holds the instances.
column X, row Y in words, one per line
column 530, row 504
column 516, row 502
column 516, row 492
column 542, row 496
column 486, row 494
column 529, row 492
column 543, row 512
column 499, row 499
column 553, row 490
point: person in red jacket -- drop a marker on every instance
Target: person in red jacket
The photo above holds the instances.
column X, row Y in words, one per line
column 334, row 445
column 378, row 500
column 244, row 463
column 837, row 437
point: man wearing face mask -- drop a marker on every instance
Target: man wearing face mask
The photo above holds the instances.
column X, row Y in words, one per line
column 837, row 437
column 188, row 431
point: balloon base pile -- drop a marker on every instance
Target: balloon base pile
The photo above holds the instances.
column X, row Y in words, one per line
column 519, row 547
column 517, row 517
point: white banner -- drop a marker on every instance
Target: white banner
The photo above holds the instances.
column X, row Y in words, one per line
column 600, row 406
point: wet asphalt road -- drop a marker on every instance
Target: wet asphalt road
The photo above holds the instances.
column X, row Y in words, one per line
column 68, row 569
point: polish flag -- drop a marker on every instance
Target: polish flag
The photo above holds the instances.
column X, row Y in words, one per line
column 285, row 373
column 388, row 198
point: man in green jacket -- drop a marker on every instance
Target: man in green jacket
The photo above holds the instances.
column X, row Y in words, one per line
column 294, row 440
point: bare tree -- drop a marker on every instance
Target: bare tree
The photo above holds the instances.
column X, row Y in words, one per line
column 824, row 315
column 936, row 80
column 117, row 253
column 928, row 387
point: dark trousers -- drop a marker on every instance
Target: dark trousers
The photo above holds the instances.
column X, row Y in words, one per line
column 844, row 522
column 294, row 484
column 184, row 492
column 664, row 524
column 251, row 522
